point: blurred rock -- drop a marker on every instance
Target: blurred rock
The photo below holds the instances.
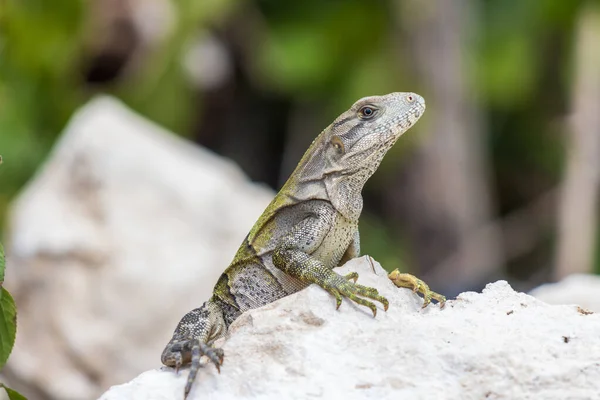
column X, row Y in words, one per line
column 124, row 229
column 579, row 289
column 498, row 344
column 155, row 20
column 207, row 63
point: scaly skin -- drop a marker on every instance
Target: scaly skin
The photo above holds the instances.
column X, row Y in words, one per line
column 310, row 227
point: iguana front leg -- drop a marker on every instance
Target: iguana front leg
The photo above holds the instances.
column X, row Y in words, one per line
column 293, row 256
column 192, row 338
column 402, row 280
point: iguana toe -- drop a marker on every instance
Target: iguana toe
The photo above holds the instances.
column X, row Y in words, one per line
column 352, row 276
column 199, row 349
column 338, row 298
column 417, row 286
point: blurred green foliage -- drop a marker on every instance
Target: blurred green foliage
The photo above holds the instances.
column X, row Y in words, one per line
column 331, row 51
column 8, row 317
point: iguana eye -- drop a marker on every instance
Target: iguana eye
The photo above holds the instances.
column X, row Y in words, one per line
column 410, row 98
column 338, row 144
column 366, row 112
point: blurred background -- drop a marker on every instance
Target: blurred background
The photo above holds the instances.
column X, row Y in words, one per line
column 498, row 180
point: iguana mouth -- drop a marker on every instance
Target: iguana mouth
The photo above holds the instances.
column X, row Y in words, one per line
column 401, row 124
column 404, row 122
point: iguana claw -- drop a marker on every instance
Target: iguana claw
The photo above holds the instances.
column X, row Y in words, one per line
column 340, row 286
column 215, row 355
column 417, row 286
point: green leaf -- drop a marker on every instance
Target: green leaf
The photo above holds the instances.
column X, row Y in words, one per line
column 8, row 325
column 2, row 265
column 13, row 394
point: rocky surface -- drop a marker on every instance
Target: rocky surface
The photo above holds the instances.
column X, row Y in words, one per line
column 498, row 344
column 123, row 230
column 579, row 289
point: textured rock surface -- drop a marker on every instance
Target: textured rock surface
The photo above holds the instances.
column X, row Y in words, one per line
column 124, row 229
column 580, row 289
column 498, row 344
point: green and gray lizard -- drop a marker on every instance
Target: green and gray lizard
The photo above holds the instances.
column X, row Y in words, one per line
column 310, row 227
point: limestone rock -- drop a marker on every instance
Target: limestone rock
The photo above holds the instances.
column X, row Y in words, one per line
column 125, row 228
column 498, row 344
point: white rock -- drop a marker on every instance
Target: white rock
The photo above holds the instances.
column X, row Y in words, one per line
column 498, row 344
column 124, row 229
column 580, row 289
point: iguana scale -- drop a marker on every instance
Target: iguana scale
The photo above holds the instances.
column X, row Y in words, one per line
column 310, row 227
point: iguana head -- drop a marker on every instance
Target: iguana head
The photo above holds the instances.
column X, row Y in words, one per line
column 349, row 151
column 360, row 137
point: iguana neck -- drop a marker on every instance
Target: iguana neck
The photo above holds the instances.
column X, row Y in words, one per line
column 314, row 180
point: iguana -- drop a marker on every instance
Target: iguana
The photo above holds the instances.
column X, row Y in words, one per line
column 310, row 227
